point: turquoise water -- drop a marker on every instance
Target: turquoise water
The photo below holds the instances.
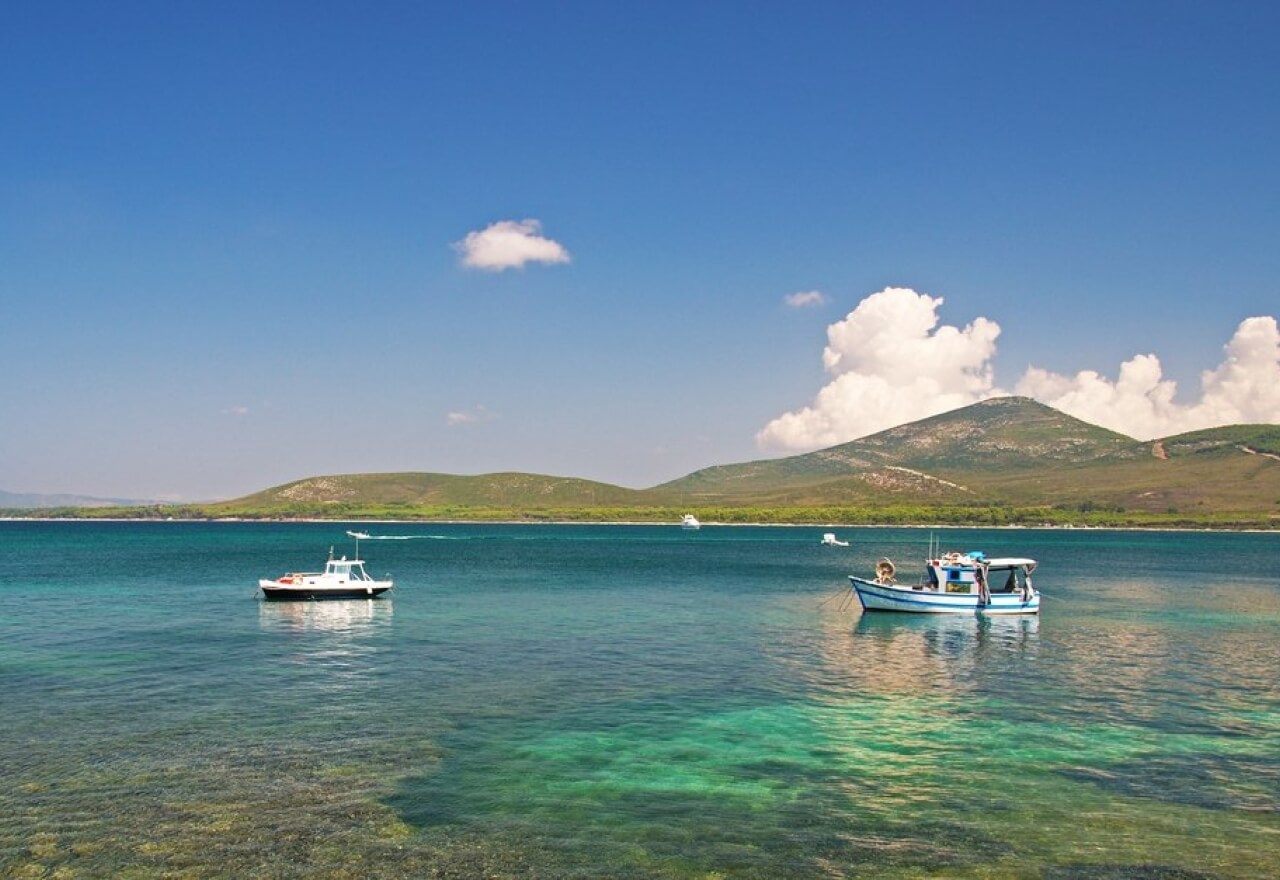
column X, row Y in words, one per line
column 613, row 701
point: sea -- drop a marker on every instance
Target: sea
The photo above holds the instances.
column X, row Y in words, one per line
column 627, row 701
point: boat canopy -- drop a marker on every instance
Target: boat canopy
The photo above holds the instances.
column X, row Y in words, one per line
column 1011, row 562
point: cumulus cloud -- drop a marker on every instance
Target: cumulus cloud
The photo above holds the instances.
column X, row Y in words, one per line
column 890, row 363
column 803, row 299
column 1244, row 388
column 237, row 411
column 509, row 244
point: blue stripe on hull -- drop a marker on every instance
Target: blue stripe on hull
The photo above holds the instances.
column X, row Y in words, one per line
column 876, row 597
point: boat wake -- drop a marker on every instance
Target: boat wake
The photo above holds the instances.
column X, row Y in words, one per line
column 367, row 537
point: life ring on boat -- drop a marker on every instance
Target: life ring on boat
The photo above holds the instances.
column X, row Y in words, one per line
column 885, row 572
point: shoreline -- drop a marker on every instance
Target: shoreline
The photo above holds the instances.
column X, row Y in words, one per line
column 651, row 523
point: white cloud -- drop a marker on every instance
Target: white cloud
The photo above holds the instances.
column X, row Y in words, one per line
column 469, row 416
column 891, row 363
column 237, row 411
column 805, row 298
column 1244, row 388
column 509, row 244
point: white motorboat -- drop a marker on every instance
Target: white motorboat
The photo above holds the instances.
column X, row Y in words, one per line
column 829, row 540
column 341, row 579
column 954, row 583
column 689, row 521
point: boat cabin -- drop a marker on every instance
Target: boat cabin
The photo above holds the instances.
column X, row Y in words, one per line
column 343, row 570
column 973, row 572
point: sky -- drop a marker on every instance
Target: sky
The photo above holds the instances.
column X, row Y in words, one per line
column 247, row 243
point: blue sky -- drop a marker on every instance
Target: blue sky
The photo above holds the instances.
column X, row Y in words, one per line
column 232, row 234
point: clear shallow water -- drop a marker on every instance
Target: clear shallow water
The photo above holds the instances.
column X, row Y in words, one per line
column 611, row 701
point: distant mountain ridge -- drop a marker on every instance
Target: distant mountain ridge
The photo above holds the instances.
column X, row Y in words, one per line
column 1003, row 452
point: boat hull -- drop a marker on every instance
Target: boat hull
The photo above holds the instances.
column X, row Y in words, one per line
column 895, row 597
column 276, row 591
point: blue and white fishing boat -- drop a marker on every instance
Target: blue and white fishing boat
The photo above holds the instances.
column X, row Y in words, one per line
column 954, row 583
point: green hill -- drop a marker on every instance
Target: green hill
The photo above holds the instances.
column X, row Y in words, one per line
column 1249, row 439
column 1007, row 452
column 1012, row 452
column 1230, row 468
column 368, row 492
column 999, row 461
column 953, row 454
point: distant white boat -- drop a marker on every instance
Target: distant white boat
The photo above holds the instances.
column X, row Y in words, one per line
column 955, row 583
column 689, row 521
column 829, row 540
column 358, row 535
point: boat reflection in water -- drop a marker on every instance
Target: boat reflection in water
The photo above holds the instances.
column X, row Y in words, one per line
column 338, row 616
column 909, row 653
column 331, row 647
column 950, row 637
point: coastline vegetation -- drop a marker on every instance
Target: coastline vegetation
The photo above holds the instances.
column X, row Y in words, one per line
column 1085, row 515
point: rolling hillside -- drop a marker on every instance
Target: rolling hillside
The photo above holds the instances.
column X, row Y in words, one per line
column 954, row 454
column 995, row 456
column 1004, row 452
column 508, row 490
column 1012, row 451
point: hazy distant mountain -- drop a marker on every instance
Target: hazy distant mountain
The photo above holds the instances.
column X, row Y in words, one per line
column 34, row 501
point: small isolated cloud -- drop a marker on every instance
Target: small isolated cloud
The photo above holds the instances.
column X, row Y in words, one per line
column 509, row 244
column 804, row 299
column 1244, row 388
column 890, row 363
column 469, row 416
column 236, row 411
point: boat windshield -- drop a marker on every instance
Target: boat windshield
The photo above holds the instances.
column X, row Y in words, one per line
column 341, row 568
column 1006, row 580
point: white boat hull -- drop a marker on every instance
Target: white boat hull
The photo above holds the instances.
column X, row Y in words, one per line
column 916, row 599
column 275, row 591
column 317, row 588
